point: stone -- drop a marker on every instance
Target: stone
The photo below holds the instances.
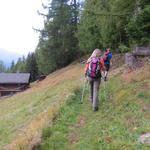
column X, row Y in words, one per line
column 141, row 51
column 130, row 59
column 145, row 138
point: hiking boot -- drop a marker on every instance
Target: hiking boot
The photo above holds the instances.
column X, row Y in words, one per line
column 95, row 109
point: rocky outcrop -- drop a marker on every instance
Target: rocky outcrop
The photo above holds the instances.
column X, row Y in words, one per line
column 141, row 51
column 133, row 59
column 130, row 60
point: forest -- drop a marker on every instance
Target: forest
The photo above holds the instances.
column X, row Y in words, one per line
column 73, row 28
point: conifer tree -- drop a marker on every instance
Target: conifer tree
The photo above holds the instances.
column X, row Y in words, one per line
column 31, row 66
column 115, row 24
column 12, row 67
column 58, row 45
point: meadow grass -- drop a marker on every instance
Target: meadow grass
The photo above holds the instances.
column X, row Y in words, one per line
column 117, row 125
column 23, row 115
column 55, row 102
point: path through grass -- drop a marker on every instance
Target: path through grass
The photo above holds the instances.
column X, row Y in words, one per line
column 122, row 118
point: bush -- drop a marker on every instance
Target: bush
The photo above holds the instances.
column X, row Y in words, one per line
column 124, row 48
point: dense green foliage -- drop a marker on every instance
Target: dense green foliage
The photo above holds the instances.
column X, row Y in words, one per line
column 138, row 28
column 115, row 24
column 58, row 45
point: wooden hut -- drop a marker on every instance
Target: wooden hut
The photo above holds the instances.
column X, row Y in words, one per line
column 11, row 83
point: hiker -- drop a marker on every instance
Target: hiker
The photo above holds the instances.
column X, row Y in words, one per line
column 94, row 66
column 107, row 61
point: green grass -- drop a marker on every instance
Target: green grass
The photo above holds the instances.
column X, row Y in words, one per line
column 55, row 137
column 116, row 126
column 22, row 111
column 123, row 115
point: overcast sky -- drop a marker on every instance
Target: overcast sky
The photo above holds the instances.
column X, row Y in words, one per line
column 17, row 17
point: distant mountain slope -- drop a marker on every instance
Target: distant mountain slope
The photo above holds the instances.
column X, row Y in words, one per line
column 7, row 56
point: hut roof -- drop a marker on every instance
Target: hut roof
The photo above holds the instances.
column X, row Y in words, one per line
column 12, row 78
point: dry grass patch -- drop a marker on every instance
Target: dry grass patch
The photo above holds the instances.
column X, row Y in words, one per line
column 30, row 135
column 136, row 75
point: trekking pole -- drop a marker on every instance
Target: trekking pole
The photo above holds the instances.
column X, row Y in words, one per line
column 83, row 91
column 105, row 90
column 103, row 77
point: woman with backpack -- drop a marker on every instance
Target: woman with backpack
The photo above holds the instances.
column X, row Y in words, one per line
column 94, row 66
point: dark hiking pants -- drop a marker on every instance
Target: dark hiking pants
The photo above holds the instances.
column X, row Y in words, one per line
column 94, row 88
column 107, row 66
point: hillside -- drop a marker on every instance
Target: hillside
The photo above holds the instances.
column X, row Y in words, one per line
column 24, row 115
column 122, row 118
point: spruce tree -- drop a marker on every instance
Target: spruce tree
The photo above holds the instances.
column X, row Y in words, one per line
column 31, row 66
column 58, row 45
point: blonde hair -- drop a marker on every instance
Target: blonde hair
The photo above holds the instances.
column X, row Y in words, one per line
column 96, row 53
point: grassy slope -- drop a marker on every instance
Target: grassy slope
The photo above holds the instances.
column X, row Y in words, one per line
column 24, row 115
column 123, row 116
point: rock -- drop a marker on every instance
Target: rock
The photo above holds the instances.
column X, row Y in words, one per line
column 138, row 57
column 141, row 51
column 42, row 77
column 145, row 138
column 130, row 59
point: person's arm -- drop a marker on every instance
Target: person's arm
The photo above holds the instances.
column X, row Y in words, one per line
column 102, row 66
column 110, row 58
column 104, row 57
column 86, row 68
column 110, row 62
